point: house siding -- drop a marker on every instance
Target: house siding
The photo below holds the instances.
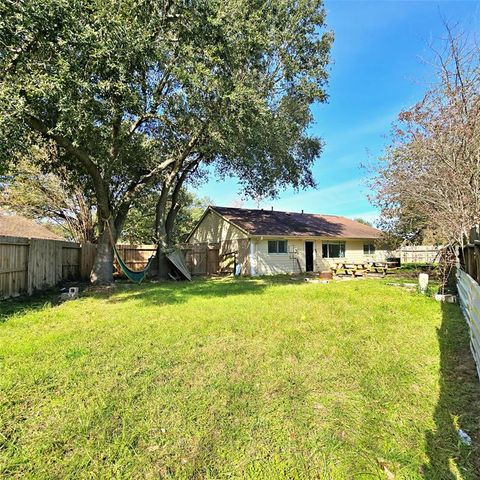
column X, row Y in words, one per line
column 214, row 229
column 353, row 253
column 271, row 264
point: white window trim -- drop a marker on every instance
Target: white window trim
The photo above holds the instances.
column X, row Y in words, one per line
column 333, row 242
column 369, row 254
column 278, row 253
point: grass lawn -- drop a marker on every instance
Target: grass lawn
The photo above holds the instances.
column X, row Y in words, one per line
column 262, row 379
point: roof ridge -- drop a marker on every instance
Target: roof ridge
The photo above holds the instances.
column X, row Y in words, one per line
column 256, row 221
column 285, row 211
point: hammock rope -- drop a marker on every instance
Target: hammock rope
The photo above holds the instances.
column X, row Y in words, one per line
column 136, row 276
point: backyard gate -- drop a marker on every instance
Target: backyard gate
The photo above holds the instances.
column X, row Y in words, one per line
column 212, row 258
column 201, row 258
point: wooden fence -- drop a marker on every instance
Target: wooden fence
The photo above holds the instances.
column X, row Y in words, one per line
column 469, row 295
column 136, row 256
column 28, row 265
column 201, row 258
column 468, row 278
column 469, row 254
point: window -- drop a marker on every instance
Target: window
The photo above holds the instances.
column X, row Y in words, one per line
column 277, row 246
column 368, row 249
column 333, row 250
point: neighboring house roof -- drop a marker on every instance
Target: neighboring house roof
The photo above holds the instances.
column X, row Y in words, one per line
column 17, row 226
column 290, row 224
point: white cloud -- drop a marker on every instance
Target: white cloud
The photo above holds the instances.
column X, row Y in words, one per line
column 370, row 216
column 340, row 199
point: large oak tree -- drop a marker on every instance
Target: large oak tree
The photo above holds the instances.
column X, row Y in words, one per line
column 130, row 91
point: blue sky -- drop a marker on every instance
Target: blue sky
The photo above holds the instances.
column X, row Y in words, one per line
column 378, row 69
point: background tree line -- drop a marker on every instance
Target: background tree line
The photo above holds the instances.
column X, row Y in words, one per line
column 69, row 210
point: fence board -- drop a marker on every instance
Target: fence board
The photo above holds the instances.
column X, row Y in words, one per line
column 13, row 266
column 417, row 253
column 469, row 294
column 44, row 260
column 28, row 265
column 87, row 258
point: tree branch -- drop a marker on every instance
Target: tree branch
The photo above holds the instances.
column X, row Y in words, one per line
column 92, row 169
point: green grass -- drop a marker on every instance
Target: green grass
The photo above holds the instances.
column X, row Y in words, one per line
column 418, row 266
column 262, row 379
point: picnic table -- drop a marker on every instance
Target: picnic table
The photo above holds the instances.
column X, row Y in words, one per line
column 350, row 268
column 357, row 269
column 383, row 267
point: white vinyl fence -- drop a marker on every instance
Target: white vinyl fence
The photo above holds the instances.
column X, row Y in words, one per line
column 417, row 253
column 469, row 293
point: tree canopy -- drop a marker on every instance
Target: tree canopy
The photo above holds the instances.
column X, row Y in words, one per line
column 127, row 93
column 50, row 197
column 428, row 183
column 140, row 225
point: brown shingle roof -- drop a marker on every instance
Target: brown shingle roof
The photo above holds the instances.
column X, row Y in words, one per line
column 266, row 222
column 17, row 226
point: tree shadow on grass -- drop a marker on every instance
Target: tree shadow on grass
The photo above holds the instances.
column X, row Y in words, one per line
column 23, row 305
column 168, row 293
column 458, row 405
column 40, row 300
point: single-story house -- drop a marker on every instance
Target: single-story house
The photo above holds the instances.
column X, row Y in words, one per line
column 271, row 242
column 18, row 226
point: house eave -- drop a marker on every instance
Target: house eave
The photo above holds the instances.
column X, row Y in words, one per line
column 314, row 237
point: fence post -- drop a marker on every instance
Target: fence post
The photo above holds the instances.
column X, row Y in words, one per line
column 87, row 257
column 58, row 273
column 31, row 266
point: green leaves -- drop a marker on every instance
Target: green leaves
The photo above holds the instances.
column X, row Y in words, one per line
column 129, row 91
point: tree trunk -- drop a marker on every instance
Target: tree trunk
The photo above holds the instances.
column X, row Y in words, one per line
column 102, row 272
column 161, row 234
column 162, row 264
column 170, row 223
column 162, row 261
